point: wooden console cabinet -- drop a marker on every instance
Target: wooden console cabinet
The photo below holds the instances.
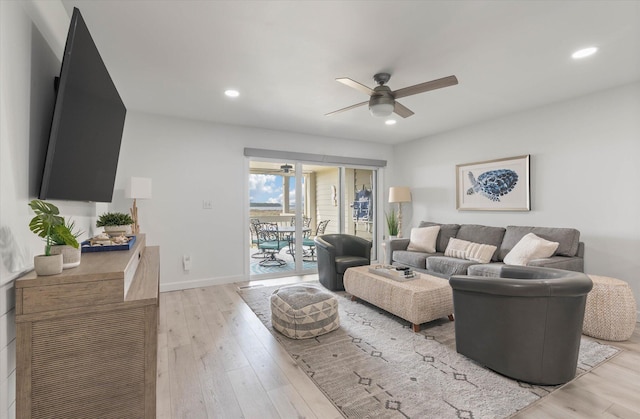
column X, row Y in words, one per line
column 87, row 338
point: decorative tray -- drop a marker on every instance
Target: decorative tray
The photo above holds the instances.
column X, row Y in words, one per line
column 392, row 273
column 87, row 247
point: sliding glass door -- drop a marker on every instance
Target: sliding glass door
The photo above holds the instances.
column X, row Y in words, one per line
column 300, row 201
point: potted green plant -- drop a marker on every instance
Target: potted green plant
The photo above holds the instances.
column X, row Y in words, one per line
column 115, row 223
column 392, row 223
column 48, row 223
column 70, row 249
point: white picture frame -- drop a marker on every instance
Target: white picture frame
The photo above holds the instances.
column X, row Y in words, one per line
column 494, row 185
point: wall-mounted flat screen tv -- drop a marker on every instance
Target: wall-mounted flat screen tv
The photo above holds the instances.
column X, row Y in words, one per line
column 86, row 129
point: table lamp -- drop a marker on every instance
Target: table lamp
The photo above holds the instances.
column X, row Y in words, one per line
column 137, row 188
column 399, row 194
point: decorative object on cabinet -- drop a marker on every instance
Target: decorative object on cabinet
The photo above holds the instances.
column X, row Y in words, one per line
column 137, row 188
column 115, row 223
column 49, row 225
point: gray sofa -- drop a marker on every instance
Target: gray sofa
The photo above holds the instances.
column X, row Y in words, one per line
column 568, row 256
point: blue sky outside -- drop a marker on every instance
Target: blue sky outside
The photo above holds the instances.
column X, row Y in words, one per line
column 269, row 189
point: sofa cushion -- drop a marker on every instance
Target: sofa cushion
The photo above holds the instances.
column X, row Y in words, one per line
column 446, row 232
column 423, row 239
column 448, row 266
column 489, row 270
column 528, row 248
column 475, row 252
column 412, row 259
column 482, row 234
column 568, row 239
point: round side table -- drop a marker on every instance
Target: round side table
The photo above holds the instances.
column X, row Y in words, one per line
column 610, row 313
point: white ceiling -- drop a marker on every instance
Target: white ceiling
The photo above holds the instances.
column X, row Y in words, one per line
column 177, row 58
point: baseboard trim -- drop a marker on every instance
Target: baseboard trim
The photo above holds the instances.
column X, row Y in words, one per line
column 198, row 283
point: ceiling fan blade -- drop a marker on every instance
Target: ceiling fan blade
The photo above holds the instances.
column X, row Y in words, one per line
column 354, row 84
column 347, row 108
column 402, row 110
column 425, row 87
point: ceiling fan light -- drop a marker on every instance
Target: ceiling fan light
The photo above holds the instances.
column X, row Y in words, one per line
column 381, row 109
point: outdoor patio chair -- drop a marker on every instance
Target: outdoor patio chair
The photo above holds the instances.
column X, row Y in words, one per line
column 270, row 242
column 309, row 243
column 253, row 230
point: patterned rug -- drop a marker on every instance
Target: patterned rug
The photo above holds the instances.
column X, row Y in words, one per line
column 374, row 366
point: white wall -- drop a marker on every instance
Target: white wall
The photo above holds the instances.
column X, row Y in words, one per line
column 585, row 169
column 189, row 162
column 30, row 51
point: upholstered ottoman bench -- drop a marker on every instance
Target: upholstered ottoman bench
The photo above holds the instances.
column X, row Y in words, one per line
column 304, row 311
column 610, row 313
column 420, row 300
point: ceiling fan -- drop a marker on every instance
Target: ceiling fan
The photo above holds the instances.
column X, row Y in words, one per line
column 382, row 101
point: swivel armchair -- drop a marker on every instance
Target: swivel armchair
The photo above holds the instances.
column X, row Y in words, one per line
column 526, row 323
column 338, row 252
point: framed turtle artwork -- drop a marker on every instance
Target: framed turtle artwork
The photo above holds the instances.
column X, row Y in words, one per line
column 494, row 185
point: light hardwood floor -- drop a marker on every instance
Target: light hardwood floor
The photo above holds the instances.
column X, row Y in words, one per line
column 217, row 360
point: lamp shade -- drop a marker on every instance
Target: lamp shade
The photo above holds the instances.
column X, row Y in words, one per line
column 138, row 188
column 399, row 194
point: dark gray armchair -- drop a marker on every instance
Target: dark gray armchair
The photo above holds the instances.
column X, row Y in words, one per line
column 525, row 323
column 338, row 252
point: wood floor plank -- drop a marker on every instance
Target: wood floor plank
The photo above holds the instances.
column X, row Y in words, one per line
column 176, row 326
column 254, row 401
column 227, row 347
column 186, row 394
column 268, row 372
column 163, row 388
column 289, row 403
column 219, row 399
column 189, row 297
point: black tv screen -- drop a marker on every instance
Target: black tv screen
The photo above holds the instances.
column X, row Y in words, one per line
column 86, row 129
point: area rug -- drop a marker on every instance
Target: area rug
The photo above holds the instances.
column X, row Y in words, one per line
column 375, row 366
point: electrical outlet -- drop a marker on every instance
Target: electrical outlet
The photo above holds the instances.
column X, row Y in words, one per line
column 186, row 262
column 207, row 204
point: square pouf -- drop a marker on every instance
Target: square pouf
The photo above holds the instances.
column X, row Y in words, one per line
column 303, row 311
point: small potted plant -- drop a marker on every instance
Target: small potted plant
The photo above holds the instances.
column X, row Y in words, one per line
column 70, row 250
column 115, row 223
column 392, row 224
column 46, row 224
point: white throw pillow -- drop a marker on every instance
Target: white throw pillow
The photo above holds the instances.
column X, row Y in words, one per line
column 476, row 252
column 528, row 248
column 423, row 239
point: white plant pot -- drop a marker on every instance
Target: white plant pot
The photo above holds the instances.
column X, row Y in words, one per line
column 115, row 231
column 70, row 255
column 47, row 265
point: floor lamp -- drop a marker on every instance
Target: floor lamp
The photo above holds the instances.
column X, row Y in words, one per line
column 399, row 194
column 137, row 188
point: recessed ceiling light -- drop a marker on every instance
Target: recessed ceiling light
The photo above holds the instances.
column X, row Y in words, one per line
column 585, row 52
column 231, row 93
column 390, row 122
